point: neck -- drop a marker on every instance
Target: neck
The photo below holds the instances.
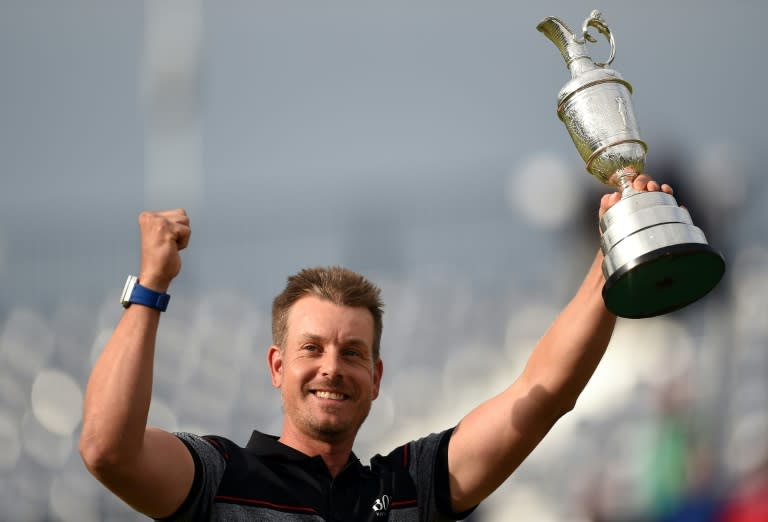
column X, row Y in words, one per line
column 334, row 454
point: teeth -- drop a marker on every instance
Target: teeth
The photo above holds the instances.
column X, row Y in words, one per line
column 329, row 395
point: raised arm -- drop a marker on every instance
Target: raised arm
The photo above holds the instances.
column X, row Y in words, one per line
column 493, row 439
column 148, row 468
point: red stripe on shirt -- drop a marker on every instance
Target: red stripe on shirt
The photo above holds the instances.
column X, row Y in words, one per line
column 264, row 503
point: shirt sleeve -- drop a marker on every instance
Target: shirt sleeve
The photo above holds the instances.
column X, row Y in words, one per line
column 210, row 465
column 428, row 466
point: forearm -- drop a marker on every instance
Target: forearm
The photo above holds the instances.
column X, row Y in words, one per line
column 490, row 442
column 505, row 429
column 569, row 352
column 119, row 390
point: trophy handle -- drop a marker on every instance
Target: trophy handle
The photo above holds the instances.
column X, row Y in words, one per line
column 596, row 20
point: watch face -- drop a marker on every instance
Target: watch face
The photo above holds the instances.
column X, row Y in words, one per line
column 127, row 291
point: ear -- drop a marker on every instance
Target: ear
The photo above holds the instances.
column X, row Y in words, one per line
column 275, row 362
column 378, row 371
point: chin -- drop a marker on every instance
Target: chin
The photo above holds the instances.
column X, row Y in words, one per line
column 334, row 430
column 332, row 434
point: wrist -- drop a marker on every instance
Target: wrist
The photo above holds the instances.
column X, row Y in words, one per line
column 154, row 282
column 136, row 293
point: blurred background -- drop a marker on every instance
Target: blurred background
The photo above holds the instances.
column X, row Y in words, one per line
column 417, row 143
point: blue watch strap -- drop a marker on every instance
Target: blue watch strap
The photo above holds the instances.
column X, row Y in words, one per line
column 134, row 293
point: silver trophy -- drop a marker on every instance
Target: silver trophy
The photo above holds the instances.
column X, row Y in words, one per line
column 655, row 259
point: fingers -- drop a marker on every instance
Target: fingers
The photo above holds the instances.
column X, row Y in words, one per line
column 182, row 230
column 642, row 183
column 178, row 215
column 167, row 225
column 607, row 201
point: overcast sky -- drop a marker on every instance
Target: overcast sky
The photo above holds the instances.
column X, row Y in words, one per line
column 381, row 135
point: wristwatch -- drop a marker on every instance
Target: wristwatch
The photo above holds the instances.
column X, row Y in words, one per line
column 133, row 292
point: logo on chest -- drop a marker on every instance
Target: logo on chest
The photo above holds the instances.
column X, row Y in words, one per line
column 381, row 506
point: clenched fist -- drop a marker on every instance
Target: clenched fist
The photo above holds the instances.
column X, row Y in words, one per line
column 163, row 235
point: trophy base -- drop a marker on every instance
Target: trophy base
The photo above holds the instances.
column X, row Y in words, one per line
column 663, row 280
column 655, row 259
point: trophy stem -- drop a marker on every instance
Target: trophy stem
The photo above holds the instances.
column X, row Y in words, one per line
column 624, row 179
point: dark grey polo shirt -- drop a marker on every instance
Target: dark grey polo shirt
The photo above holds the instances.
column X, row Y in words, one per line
column 270, row 481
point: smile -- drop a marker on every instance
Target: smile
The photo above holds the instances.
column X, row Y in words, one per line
column 334, row 396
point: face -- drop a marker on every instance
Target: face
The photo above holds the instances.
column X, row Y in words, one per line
column 325, row 370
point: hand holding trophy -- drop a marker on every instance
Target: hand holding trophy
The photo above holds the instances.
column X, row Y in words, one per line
column 655, row 259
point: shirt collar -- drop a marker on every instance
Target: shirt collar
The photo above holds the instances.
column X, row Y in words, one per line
column 265, row 445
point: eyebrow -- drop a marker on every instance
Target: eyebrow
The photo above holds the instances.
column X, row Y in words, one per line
column 353, row 342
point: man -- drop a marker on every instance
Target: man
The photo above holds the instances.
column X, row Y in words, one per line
column 325, row 360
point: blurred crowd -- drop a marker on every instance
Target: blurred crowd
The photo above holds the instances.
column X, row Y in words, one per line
column 674, row 426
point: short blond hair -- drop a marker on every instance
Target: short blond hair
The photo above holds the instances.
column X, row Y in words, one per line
column 336, row 284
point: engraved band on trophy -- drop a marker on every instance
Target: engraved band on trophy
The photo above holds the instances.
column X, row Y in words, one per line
column 655, row 259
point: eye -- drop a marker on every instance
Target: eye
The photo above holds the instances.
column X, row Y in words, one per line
column 354, row 352
column 310, row 348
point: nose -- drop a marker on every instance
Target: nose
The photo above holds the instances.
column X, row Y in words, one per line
column 330, row 365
